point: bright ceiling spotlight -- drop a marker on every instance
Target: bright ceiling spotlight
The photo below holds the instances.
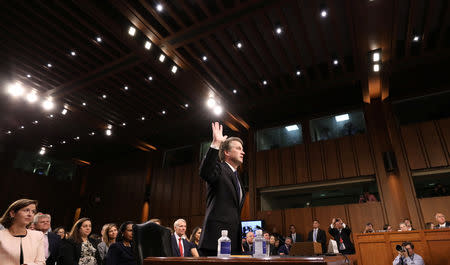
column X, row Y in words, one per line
column 8, row 132
column 279, row 30
column 291, row 128
column 186, row 105
column 108, row 132
column 335, row 62
column 234, row 91
column 63, row 142
column 298, row 73
column 163, row 112
column 22, row 127
column 174, row 69
column 376, row 67
column 48, row 104
column 142, row 118
column 264, row 82
column 159, row 7
column 84, row 103
column 211, row 103
column 35, row 122
column 124, row 124
column 42, row 151
column 109, row 126
column 32, row 97
column 132, row 31
column 150, row 78
column 92, row 133
column 323, row 13
column 64, row 112
column 148, row 45
column 162, row 57
column 49, row 65
column 50, row 116
column 125, row 87
column 239, row 45
column 77, row 138
column 15, row 89
column 343, row 117
column 204, row 58
column 29, row 76
column 376, row 57
column 416, row 38
column 73, row 53
column 218, row 110
column 99, row 39
column 104, row 96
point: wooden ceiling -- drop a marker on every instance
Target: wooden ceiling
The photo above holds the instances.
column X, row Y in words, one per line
column 330, row 53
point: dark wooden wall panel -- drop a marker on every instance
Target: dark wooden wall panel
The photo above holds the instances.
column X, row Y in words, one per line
column 316, row 162
column 287, row 165
column 302, row 218
column 300, row 164
column 347, row 157
column 324, row 215
column 274, row 167
column 365, row 161
column 331, row 160
column 363, row 213
column 414, row 152
column 444, row 126
column 187, row 194
column 272, row 219
column 432, row 144
column 261, row 169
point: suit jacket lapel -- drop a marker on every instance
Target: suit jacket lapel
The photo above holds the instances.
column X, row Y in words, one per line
column 231, row 177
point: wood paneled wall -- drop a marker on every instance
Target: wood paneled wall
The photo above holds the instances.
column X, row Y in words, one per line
column 345, row 157
column 430, row 206
column 354, row 215
column 427, row 144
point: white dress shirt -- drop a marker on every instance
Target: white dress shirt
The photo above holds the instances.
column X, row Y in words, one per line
column 415, row 259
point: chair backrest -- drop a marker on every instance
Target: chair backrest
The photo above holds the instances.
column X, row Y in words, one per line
column 151, row 240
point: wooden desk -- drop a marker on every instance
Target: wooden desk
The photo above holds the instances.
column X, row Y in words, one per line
column 379, row 248
column 335, row 260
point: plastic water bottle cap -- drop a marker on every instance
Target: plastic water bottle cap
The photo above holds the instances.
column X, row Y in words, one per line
column 259, row 232
column 224, row 232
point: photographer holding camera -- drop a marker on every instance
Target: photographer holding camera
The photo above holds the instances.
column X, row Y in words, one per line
column 341, row 233
column 406, row 255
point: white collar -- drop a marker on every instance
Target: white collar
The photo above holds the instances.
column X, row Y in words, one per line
column 232, row 168
column 178, row 237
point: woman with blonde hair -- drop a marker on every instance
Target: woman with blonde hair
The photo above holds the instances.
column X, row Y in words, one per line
column 18, row 245
column 108, row 237
column 79, row 248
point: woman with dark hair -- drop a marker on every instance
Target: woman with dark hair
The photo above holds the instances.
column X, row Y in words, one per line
column 108, row 238
column 195, row 236
column 121, row 252
column 60, row 231
column 18, row 245
column 79, row 248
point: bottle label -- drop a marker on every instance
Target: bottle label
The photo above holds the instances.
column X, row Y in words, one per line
column 264, row 247
column 225, row 247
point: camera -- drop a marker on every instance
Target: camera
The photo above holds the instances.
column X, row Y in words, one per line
column 400, row 248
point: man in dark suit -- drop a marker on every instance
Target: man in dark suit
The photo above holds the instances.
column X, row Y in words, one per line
column 293, row 234
column 318, row 235
column 180, row 246
column 225, row 195
column 341, row 233
column 441, row 223
column 52, row 241
column 286, row 247
column 247, row 246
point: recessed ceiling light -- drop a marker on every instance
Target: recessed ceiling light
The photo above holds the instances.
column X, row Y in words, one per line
column 49, row 65
column 234, row 91
column 108, row 132
column 29, row 76
column 32, row 97
column 64, row 112
column 376, row 56
column 239, row 45
column 376, row 67
column 343, row 117
column 42, row 151
column 291, row 128
column 298, row 73
column 148, row 45
column 279, row 30
column 142, row 118
column 174, row 69
column 211, row 103
column 50, row 116
column 186, row 105
column 204, row 58
column 84, row 104
column 416, row 38
column 35, row 122
column 109, row 126
column 163, row 112
column 218, row 110
column 132, row 31
column 99, row 39
column 150, row 78
column 264, row 82
column 124, row 124
column 159, row 7
column 77, row 138
column 335, row 62
column 63, row 142
column 51, row 146
column 8, row 132
column 73, row 53
column 92, row 133
column 104, row 96
column 16, row 89
column 162, row 57
column 48, row 104
column 324, row 13
column 125, row 87
column 22, row 127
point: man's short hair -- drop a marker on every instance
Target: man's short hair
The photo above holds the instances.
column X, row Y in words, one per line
column 246, row 235
column 369, row 224
column 177, row 222
column 315, row 220
column 39, row 216
column 404, row 244
column 225, row 146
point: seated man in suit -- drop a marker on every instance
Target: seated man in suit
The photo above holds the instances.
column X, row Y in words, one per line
column 181, row 247
column 341, row 233
column 248, row 244
column 293, row 234
column 441, row 223
column 318, row 235
column 52, row 241
column 286, row 247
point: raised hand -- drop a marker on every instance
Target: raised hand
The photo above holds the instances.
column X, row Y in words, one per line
column 217, row 134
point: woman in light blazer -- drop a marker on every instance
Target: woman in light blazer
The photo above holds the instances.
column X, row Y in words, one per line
column 18, row 245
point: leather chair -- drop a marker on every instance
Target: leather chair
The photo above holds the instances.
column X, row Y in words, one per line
column 151, row 240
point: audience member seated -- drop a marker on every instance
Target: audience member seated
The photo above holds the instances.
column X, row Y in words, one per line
column 195, row 236
column 369, row 228
column 341, row 233
column 387, row 228
column 155, row 220
column 407, row 256
column 429, row 225
column 440, row 190
column 367, row 197
column 408, row 224
column 440, row 219
column 109, row 237
column 273, row 249
column 52, row 242
column 286, row 247
column 79, row 248
column 293, row 234
column 318, row 235
column 17, row 244
column 277, row 235
column 403, row 227
column 248, row 244
column 60, row 231
column 30, row 226
column 181, row 247
column 266, row 236
column 121, row 252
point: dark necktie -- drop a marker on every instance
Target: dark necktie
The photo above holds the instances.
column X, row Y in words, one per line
column 238, row 185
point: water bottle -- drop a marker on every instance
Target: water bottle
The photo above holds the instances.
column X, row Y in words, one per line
column 260, row 245
column 224, row 245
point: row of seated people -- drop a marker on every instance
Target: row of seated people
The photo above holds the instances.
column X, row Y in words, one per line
column 406, row 225
column 19, row 244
